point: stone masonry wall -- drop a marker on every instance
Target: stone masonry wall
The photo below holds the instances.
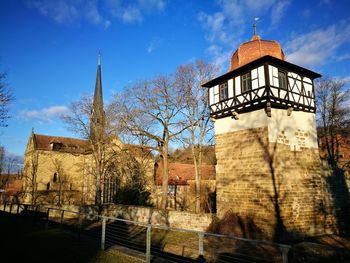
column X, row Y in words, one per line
column 148, row 215
column 281, row 190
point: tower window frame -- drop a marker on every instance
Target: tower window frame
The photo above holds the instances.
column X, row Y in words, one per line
column 246, row 82
column 282, row 80
column 223, row 91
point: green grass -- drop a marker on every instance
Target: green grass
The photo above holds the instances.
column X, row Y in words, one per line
column 22, row 241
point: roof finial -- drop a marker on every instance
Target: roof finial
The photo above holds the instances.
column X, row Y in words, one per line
column 254, row 25
column 99, row 57
column 33, row 130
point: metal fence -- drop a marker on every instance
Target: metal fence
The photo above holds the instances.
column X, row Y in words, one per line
column 153, row 242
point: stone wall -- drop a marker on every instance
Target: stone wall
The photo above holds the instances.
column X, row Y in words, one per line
column 282, row 191
column 149, row 215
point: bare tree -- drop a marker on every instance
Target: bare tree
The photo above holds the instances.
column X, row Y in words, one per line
column 30, row 177
column 151, row 109
column 104, row 152
column 196, row 113
column 2, row 159
column 6, row 98
column 332, row 100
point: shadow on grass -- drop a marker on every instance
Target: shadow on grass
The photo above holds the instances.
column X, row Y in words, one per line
column 27, row 240
column 127, row 235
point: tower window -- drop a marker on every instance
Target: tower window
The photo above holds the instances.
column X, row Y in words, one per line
column 48, row 186
column 246, row 82
column 282, row 79
column 223, row 91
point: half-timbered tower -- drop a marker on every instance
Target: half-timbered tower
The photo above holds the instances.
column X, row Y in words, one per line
column 268, row 165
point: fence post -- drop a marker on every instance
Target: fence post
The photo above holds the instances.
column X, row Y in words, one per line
column 103, row 234
column 5, row 206
column 200, row 245
column 18, row 205
column 148, row 244
column 62, row 216
column 11, row 207
column 284, row 251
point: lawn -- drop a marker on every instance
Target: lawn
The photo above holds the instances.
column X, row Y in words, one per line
column 23, row 241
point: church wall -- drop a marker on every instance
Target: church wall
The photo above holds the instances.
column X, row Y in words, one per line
column 76, row 182
column 269, row 183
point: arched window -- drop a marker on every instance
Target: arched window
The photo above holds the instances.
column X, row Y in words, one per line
column 54, row 177
column 48, row 186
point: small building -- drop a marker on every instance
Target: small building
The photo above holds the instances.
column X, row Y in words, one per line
column 181, row 185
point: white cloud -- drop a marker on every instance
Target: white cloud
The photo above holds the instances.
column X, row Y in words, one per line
column 45, row 114
column 317, row 47
column 62, row 12
column 343, row 57
column 134, row 12
column 67, row 12
column 131, row 14
column 225, row 27
column 278, row 11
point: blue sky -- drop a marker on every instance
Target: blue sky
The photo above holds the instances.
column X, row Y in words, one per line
column 49, row 48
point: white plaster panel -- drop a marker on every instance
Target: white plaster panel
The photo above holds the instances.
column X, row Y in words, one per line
column 283, row 94
column 260, row 92
column 211, row 96
column 261, row 73
column 274, row 92
column 307, row 80
column 273, row 71
column 230, row 88
column 279, row 123
column 255, row 84
column 270, row 74
column 216, row 93
column 308, row 88
column 254, row 73
column 238, row 85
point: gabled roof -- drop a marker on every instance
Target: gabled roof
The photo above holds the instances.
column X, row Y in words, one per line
column 44, row 142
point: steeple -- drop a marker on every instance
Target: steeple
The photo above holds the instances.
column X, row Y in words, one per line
column 97, row 115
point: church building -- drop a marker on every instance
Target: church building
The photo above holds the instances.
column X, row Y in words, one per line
column 61, row 170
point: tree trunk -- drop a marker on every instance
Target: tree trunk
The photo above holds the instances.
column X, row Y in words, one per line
column 164, row 202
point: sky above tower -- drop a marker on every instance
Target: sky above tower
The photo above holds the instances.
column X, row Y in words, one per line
column 49, row 48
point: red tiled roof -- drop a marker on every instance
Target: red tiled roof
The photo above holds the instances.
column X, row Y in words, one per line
column 180, row 173
column 254, row 49
column 14, row 187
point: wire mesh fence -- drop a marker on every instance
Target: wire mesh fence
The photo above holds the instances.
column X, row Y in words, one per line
column 154, row 242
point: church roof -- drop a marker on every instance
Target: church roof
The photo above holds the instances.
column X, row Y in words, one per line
column 73, row 145
column 254, row 49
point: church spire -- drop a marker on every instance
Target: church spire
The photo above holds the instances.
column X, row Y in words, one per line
column 98, row 98
column 97, row 114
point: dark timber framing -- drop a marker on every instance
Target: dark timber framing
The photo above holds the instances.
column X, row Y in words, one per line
column 256, row 98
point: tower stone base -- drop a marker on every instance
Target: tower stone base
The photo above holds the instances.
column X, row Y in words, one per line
column 283, row 191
